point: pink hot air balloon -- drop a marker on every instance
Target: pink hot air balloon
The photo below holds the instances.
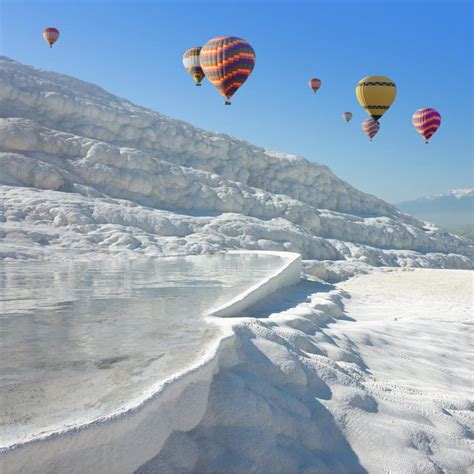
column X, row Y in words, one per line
column 426, row 122
column 370, row 128
column 314, row 84
column 347, row 116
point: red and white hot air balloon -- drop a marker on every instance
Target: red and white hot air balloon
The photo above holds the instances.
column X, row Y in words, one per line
column 314, row 84
column 51, row 35
column 347, row 116
column 370, row 127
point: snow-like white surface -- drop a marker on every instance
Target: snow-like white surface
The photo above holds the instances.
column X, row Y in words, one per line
column 86, row 171
column 413, row 332
column 373, row 376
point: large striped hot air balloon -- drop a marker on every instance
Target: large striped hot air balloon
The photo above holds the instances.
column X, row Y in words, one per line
column 192, row 64
column 314, row 84
column 227, row 62
column 426, row 122
column 376, row 94
column 370, row 128
column 347, row 116
column 50, row 35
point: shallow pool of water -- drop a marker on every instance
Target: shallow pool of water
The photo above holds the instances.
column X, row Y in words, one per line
column 79, row 340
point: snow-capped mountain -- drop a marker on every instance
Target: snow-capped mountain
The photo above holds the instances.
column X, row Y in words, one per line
column 461, row 193
column 453, row 209
column 84, row 171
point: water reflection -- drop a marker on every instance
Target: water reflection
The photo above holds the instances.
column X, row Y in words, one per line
column 80, row 339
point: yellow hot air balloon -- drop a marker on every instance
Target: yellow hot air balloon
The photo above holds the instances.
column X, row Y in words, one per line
column 376, row 94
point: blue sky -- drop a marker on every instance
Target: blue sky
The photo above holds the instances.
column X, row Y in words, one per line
column 134, row 49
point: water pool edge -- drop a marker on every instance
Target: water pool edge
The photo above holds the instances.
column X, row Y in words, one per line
column 120, row 442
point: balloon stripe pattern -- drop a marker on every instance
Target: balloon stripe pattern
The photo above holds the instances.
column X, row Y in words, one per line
column 376, row 83
column 50, row 35
column 376, row 94
column 426, row 121
column 370, row 128
column 192, row 64
column 227, row 62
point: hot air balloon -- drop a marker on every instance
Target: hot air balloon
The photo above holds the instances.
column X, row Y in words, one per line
column 347, row 116
column 50, row 35
column 314, row 84
column 370, row 128
column 227, row 62
column 426, row 122
column 376, row 94
column 192, row 64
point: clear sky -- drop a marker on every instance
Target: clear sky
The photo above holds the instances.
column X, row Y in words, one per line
column 134, row 49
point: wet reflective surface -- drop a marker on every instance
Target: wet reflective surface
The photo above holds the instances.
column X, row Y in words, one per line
column 79, row 340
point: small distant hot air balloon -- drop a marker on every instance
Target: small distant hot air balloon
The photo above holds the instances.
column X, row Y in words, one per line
column 314, row 84
column 370, row 128
column 426, row 122
column 50, row 35
column 347, row 116
column 192, row 64
column 227, row 62
column 376, row 94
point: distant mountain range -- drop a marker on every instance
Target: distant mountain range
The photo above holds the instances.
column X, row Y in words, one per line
column 453, row 210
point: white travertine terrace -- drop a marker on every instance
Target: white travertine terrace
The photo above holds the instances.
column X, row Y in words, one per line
column 119, row 177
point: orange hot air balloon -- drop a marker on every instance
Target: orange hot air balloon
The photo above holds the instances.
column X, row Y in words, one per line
column 347, row 116
column 50, row 35
column 314, row 84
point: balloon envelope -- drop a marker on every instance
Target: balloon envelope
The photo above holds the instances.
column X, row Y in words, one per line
column 50, row 35
column 227, row 62
column 370, row 128
column 376, row 94
column 426, row 121
column 192, row 64
column 347, row 116
column 314, row 84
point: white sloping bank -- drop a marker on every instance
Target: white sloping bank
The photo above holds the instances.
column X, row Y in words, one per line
column 288, row 274
column 122, row 442
column 373, row 375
